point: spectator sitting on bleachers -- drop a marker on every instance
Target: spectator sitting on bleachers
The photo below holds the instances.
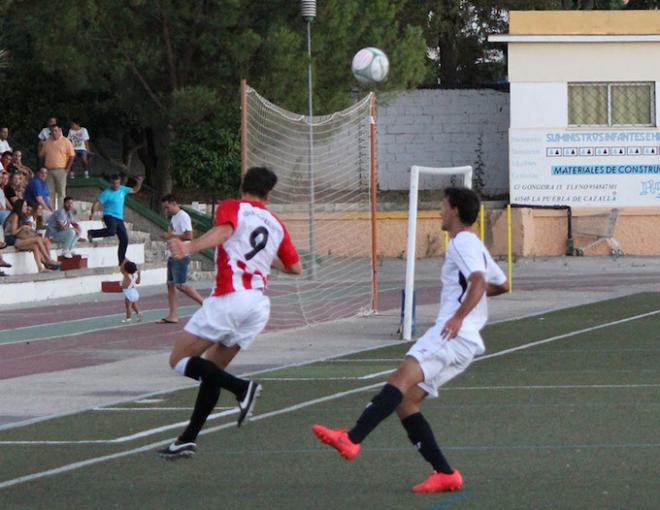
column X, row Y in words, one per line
column 5, row 205
column 15, row 189
column 39, row 219
column 24, row 238
column 17, row 165
column 37, row 191
column 5, row 211
column 5, row 160
column 62, row 229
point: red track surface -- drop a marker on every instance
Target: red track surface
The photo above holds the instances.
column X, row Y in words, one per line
column 95, row 348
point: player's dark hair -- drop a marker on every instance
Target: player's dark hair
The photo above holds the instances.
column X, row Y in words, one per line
column 466, row 201
column 130, row 267
column 67, row 198
column 258, row 181
column 114, row 177
column 169, row 198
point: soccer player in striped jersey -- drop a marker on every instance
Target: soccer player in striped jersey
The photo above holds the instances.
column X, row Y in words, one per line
column 249, row 240
column 469, row 274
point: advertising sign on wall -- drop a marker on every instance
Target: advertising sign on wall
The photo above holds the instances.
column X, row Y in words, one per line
column 608, row 168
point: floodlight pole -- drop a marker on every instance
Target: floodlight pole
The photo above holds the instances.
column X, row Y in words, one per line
column 308, row 11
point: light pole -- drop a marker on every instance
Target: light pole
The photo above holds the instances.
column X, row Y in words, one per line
column 308, row 11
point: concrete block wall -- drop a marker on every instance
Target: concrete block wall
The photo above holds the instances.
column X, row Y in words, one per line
column 444, row 128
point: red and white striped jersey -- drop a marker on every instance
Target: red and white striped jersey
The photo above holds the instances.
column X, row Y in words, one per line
column 243, row 261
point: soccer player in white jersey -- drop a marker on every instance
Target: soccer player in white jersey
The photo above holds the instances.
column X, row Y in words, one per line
column 469, row 274
column 249, row 240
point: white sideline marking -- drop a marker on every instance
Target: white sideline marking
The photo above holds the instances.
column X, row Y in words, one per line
column 365, row 360
column 152, row 446
column 106, row 409
column 377, row 374
column 331, row 397
column 96, row 460
column 168, row 391
column 293, row 379
column 149, row 401
column 123, row 439
column 539, row 342
column 549, row 387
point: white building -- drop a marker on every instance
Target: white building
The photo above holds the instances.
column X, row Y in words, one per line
column 584, row 102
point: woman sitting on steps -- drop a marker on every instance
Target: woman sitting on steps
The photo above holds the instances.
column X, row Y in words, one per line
column 24, row 238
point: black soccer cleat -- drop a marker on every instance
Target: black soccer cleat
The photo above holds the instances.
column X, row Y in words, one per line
column 246, row 406
column 178, row 450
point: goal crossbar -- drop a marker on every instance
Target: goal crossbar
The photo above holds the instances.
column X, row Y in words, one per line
column 415, row 171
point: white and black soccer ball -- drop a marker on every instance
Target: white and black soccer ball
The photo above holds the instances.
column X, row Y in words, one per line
column 370, row 66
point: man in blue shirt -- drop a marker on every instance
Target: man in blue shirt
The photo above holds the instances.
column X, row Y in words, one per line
column 37, row 190
column 112, row 201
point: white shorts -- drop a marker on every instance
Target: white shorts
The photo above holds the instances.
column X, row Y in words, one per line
column 441, row 360
column 231, row 319
column 131, row 294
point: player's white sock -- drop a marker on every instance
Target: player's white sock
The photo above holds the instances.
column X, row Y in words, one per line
column 180, row 367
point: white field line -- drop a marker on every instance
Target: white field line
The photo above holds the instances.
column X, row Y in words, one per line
column 293, row 379
column 365, row 360
column 377, row 374
column 539, row 342
column 550, row 387
column 111, row 409
column 323, row 399
column 152, row 446
column 168, row 391
column 123, row 439
column 96, row 460
column 39, row 419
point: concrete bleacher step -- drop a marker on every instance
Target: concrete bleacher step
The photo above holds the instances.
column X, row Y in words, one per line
column 102, row 254
column 24, row 284
column 44, row 286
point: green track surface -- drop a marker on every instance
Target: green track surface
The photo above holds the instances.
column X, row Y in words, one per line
column 573, row 423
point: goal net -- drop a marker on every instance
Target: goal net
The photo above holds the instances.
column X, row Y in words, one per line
column 325, row 195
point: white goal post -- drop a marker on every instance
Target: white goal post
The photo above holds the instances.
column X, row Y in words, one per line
column 415, row 171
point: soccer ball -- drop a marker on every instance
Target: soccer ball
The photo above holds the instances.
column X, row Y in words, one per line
column 370, row 65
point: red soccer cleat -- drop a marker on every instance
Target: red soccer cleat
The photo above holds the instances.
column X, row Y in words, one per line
column 338, row 439
column 440, row 482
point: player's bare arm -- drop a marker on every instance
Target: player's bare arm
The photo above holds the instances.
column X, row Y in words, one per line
column 293, row 269
column 475, row 291
column 496, row 290
column 214, row 237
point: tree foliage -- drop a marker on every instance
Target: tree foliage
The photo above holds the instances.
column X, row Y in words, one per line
column 206, row 157
column 161, row 66
column 457, row 33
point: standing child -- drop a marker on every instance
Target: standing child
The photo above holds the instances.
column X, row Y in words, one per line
column 128, row 285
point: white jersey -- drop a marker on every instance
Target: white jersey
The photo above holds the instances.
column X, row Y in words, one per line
column 466, row 254
column 243, row 261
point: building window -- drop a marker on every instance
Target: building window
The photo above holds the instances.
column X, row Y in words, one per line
column 611, row 104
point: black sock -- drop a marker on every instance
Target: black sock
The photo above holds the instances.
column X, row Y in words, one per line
column 207, row 398
column 380, row 407
column 421, row 436
column 207, row 371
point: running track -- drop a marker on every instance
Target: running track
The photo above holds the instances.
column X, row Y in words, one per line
column 121, row 342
